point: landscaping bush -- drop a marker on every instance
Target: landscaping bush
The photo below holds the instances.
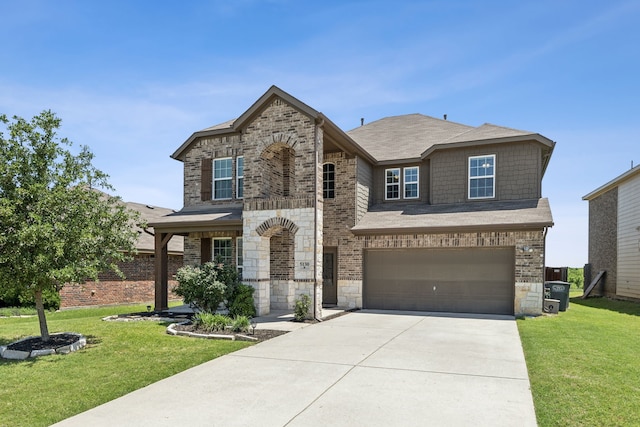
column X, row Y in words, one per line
column 206, row 286
column 241, row 324
column 210, row 322
column 241, row 301
column 211, row 284
column 301, row 310
column 13, row 298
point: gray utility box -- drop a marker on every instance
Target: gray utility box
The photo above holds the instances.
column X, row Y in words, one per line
column 551, row 306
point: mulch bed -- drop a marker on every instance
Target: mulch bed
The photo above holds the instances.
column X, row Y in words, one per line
column 259, row 334
column 36, row 343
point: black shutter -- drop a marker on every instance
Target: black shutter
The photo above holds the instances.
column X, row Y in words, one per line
column 206, row 179
column 205, row 250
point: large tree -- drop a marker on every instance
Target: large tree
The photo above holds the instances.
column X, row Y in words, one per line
column 56, row 227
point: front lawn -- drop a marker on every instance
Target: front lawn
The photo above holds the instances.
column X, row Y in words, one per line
column 584, row 364
column 119, row 357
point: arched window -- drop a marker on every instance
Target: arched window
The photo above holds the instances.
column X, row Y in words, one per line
column 328, row 181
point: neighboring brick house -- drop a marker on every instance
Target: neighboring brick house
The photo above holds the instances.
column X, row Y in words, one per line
column 138, row 284
column 614, row 236
column 407, row 212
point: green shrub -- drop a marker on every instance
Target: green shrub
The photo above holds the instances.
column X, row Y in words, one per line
column 210, row 322
column 207, row 286
column 576, row 277
column 200, row 287
column 241, row 324
column 13, row 298
column 301, row 310
column 241, row 301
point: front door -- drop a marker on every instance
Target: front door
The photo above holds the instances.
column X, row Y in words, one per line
column 329, row 287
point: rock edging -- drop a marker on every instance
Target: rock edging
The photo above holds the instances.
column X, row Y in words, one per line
column 171, row 330
column 5, row 353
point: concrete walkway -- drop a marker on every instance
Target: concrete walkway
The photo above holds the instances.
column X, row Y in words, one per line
column 368, row 368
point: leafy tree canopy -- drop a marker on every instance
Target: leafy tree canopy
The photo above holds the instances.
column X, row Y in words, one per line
column 56, row 227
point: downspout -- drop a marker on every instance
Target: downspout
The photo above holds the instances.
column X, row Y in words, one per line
column 315, row 221
column 544, row 260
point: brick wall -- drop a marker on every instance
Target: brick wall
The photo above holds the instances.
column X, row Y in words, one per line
column 529, row 265
column 209, row 148
column 138, row 285
column 603, row 239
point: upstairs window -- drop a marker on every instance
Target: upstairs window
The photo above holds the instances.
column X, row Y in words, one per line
column 411, row 180
column 482, row 174
column 222, row 178
column 392, row 184
column 328, row 180
column 239, row 177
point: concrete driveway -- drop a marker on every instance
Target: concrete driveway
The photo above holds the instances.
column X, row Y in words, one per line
column 368, row 368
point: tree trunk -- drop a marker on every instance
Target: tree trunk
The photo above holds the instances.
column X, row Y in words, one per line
column 44, row 330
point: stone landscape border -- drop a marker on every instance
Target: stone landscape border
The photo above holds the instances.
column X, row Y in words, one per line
column 5, row 353
column 171, row 330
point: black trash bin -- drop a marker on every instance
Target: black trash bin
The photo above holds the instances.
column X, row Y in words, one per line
column 558, row 290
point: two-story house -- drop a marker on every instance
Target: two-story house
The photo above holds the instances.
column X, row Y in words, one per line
column 408, row 212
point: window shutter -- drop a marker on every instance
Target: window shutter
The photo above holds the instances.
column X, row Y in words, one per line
column 206, row 179
column 205, row 250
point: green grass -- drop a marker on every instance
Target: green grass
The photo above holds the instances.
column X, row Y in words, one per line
column 584, row 364
column 119, row 357
column 17, row 311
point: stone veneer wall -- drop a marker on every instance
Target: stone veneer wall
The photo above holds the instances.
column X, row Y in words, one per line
column 272, row 291
column 603, row 240
column 529, row 266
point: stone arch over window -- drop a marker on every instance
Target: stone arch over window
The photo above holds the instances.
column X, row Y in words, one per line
column 278, row 170
column 275, row 225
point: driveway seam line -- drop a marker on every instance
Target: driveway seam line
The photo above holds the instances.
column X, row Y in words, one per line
column 319, row 396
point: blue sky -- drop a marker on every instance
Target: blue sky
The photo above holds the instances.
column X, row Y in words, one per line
column 133, row 79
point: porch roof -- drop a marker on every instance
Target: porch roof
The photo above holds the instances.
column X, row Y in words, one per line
column 201, row 218
column 485, row 216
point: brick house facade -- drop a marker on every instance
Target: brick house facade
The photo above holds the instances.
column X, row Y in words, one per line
column 408, row 212
column 138, row 284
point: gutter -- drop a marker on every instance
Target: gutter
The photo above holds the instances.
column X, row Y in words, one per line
column 315, row 221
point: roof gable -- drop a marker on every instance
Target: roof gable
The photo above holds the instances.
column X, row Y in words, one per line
column 613, row 183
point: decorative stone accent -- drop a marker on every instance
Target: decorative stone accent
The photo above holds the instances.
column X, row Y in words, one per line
column 21, row 355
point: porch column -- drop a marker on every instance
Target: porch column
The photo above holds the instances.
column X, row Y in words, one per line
column 162, row 270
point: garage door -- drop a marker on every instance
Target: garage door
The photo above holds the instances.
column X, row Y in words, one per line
column 468, row 280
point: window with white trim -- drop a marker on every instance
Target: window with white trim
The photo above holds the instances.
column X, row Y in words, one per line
column 222, row 178
column 239, row 260
column 222, row 250
column 411, row 182
column 328, row 181
column 392, row 184
column 239, row 177
column 482, row 174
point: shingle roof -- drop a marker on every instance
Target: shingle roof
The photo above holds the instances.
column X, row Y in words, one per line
column 225, row 125
column 404, row 137
column 413, row 136
column 487, row 131
column 197, row 217
column 409, row 218
column 146, row 242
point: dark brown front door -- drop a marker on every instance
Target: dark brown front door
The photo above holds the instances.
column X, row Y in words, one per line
column 329, row 287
